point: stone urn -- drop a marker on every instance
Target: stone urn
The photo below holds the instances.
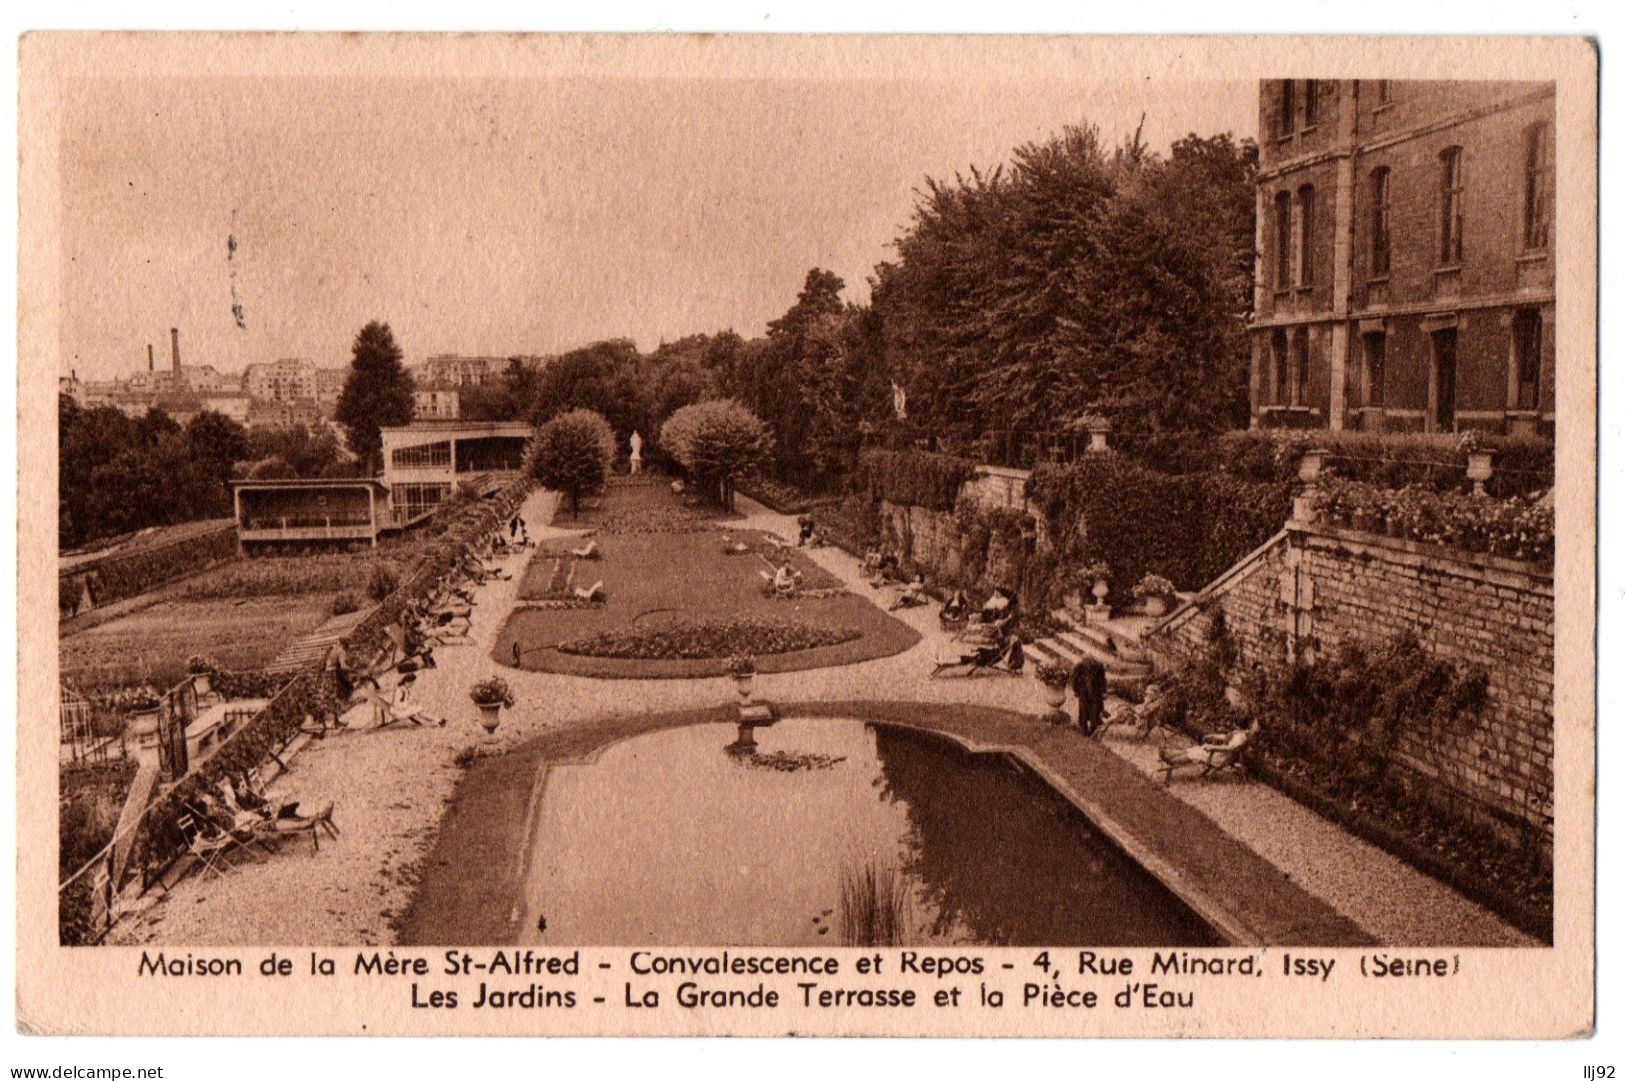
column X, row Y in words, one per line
column 1054, row 695
column 201, row 683
column 490, row 716
column 1100, row 590
column 743, row 684
column 1480, row 467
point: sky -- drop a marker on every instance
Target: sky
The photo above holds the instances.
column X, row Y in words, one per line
column 492, row 216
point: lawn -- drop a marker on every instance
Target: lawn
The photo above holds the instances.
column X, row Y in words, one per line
column 670, row 586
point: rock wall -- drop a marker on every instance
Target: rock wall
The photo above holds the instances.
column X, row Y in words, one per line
column 1316, row 586
column 936, row 540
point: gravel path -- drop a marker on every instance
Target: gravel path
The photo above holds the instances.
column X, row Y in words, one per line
column 391, row 786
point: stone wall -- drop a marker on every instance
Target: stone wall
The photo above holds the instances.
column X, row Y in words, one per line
column 934, row 540
column 1315, row 587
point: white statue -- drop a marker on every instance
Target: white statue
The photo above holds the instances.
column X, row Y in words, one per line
column 636, row 460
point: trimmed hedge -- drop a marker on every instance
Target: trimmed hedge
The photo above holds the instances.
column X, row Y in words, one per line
column 123, row 576
column 1187, row 528
column 913, row 477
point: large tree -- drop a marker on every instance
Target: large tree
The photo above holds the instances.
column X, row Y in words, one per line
column 717, row 443
column 377, row 393
column 571, row 454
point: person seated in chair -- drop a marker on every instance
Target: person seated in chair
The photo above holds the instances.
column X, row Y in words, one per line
column 786, row 580
column 956, row 609
column 912, row 595
column 808, row 529
column 888, row 567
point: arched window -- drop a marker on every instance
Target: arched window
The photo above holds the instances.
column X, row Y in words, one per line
column 1379, row 222
column 1537, row 186
column 1280, row 379
column 1283, row 240
column 1306, row 235
column 1450, row 212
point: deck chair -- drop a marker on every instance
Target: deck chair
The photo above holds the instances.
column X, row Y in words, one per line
column 1003, row 655
column 209, row 844
column 1217, row 753
column 402, row 657
column 911, row 596
column 313, row 824
column 587, row 551
column 397, row 707
column 593, row 594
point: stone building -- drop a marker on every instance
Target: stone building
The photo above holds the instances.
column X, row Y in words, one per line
column 281, row 381
column 1406, row 256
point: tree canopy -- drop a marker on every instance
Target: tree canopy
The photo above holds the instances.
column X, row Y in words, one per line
column 377, row 392
column 572, row 453
column 717, row 443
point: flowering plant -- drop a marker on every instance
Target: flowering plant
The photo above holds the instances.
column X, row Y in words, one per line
column 741, row 665
column 1153, row 585
column 140, row 700
column 1470, row 441
column 198, row 665
column 1053, row 673
column 1516, row 528
column 1098, row 571
column 493, row 691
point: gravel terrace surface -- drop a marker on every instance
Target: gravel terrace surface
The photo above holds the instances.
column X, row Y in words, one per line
column 392, row 786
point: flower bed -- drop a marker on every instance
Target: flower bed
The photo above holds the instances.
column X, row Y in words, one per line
column 708, row 639
column 1515, row 528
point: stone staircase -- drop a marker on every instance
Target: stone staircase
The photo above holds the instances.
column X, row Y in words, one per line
column 1114, row 644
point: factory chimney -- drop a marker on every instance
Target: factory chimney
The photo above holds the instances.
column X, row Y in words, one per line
column 175, row 350
column 149, row 356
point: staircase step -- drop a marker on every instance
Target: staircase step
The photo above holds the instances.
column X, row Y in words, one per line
column 1105, row 636
column 1052, row 650
column 1084, row 645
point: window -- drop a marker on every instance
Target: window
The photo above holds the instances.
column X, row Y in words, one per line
column 1385, row 90
column 1279, row 388
column 1379, row 222
column 1289, row 107
column 1526, row 341
column 1283, row 240
column 1306, row 236
column 1376, row 350
column 1450, row 215
column 427, row 456
column 1311, row 102
column 1537, row 187
column 1300, row 366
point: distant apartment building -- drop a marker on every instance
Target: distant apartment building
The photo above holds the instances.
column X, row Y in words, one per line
column 204, row 379
column 281, row 380
column 1406, row 256
column 457, row 371
column 435, row 403
column 283, row 414
column 330, row 384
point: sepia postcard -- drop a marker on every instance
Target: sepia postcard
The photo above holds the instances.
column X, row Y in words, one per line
column 846, row 536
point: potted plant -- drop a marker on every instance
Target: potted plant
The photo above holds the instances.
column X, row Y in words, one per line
column 743, row 668
column 202, row 671
column 490, row 695
column 1100, row 573
column 1154, row 592
column 1052, row 676
column 142, row 706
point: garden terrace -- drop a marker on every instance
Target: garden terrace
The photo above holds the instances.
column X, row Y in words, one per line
column 678, row 606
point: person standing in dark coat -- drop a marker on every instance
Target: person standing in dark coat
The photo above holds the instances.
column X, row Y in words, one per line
column 1089, row 685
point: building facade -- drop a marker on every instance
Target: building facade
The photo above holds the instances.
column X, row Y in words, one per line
column 1406, row 256
column 281, row 380
column 435, row 403
column 456, row 371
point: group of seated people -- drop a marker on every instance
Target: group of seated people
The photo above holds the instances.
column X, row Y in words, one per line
column 240, row 808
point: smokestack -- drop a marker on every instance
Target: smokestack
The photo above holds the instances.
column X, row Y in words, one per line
column 149, row 357
column 175, row 350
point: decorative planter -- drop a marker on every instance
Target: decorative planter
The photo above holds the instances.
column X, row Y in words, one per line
column 1310, row 466
column 1054, row 695
column 143, row 727
column 1480, row 467
column 1102, row 587
column 1156, row 606
column 743, row 683
column 200, row 683
column 490, row 716
column 1097, row 439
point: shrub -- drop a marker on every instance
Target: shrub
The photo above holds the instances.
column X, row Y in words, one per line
column 1153, row 585
column 137, row 572
column 344, row 604
column 1053, row 673
column 1516, row 528
column 382, row 581
column 197, row 664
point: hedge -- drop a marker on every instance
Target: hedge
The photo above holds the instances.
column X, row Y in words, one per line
column 1187, row 528
column 913, row 477
column 123, row 576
